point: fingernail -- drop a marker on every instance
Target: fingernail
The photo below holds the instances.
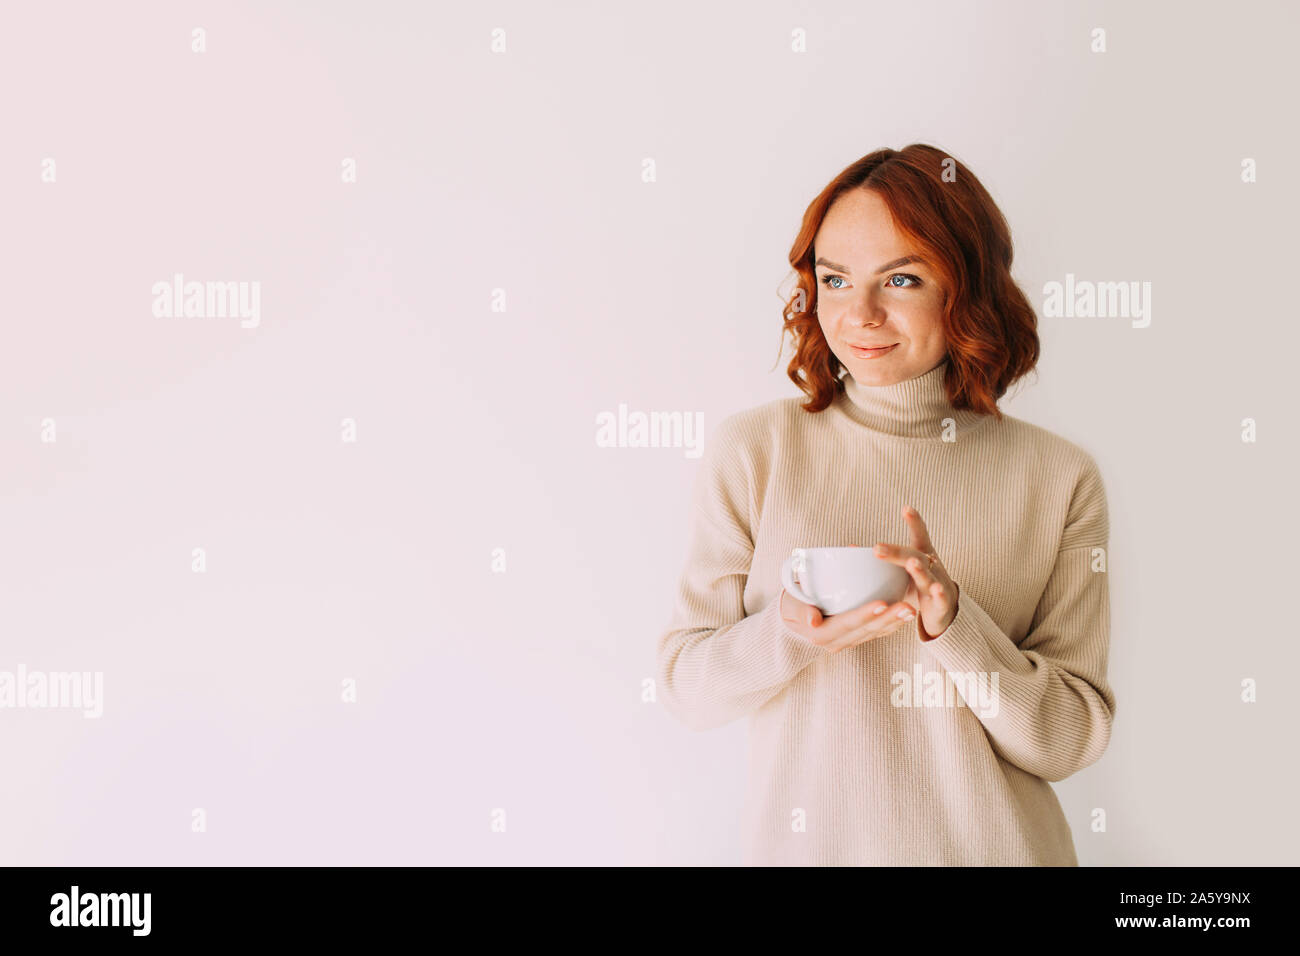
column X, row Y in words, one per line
column 905, row 615
column 879, row 610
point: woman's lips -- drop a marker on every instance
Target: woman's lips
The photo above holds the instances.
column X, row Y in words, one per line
column 872, row 353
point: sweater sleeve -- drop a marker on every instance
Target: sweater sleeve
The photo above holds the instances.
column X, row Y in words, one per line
column 1054, row 706
column 714, row 664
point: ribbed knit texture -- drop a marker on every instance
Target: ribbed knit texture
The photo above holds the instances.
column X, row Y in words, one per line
column 838, row 774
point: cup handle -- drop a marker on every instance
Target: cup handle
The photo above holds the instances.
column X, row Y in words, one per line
column 787, row 579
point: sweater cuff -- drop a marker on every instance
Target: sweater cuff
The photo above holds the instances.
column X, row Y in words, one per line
column 973, row 641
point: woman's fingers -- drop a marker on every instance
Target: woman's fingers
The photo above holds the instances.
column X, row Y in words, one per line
column 925, row 580
column 917, row 565
column 894, row 553
column 849, row 628
column 897, row 554
column 815, row 616
column 795, row 611
column 920, row 534
column 867, row 623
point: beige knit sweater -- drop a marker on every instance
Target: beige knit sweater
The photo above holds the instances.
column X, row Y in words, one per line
column 898, row 751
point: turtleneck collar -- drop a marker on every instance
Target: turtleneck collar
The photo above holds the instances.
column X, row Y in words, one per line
column 914, row 408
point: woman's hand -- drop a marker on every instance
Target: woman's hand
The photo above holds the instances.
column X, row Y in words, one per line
column 872, row 620
column 930, row 587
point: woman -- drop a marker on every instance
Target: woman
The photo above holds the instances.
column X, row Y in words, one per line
column 860, row 752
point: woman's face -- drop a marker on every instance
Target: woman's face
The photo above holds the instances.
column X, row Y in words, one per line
column 866, row 296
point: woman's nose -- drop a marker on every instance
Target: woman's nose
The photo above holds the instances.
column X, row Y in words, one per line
column 866, row 310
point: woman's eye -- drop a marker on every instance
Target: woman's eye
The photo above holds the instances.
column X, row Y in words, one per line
column 827, row 280
column 902, row 275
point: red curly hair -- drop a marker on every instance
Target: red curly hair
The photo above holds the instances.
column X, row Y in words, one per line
column 989, row 325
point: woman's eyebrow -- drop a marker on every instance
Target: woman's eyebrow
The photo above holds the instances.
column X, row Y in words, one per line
column 906, row 260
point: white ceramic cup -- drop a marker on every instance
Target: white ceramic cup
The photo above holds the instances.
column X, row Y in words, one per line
column 836, row 580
